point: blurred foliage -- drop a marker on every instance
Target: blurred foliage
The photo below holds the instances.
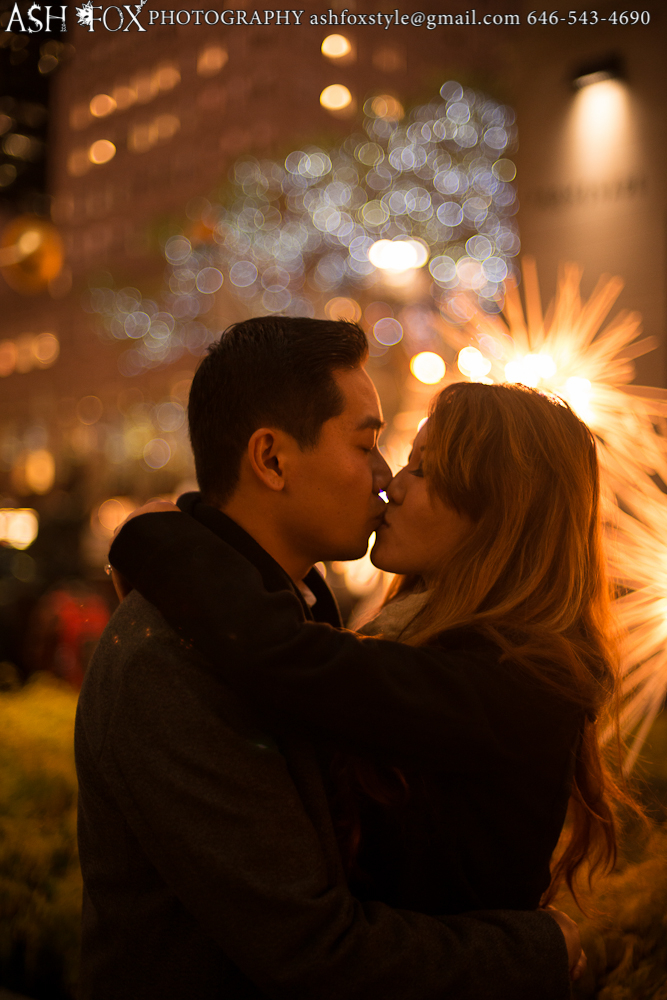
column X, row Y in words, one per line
column 40, row 882
column 624, row 936
column 624, row 931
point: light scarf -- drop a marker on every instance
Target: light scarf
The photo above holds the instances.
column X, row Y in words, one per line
column 393, row 618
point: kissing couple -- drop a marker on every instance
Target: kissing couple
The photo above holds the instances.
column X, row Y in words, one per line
column 272, row 806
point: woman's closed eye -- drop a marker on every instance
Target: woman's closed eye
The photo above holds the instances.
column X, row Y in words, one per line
column 419, row 471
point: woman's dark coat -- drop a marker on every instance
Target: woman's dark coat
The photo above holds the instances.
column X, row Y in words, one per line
column 487, row 750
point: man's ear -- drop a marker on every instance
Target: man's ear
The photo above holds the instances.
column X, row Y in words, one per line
column 265, row 454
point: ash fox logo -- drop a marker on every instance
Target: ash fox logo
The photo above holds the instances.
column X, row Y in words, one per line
column 34, row 23
column 112, row 18
column 87, row 16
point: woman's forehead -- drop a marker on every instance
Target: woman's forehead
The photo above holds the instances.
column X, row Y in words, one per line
column 420, row 439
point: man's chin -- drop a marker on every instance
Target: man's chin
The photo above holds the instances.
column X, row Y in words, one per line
column 350, row 553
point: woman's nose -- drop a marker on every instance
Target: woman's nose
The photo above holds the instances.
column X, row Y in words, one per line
column 396, row 489
column 381, row 473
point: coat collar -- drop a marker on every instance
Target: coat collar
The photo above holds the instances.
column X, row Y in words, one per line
column 273, row 575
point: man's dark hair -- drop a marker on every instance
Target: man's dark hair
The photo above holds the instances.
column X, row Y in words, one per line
column 274, row 371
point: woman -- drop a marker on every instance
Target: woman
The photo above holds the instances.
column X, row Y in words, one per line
column 461, row 735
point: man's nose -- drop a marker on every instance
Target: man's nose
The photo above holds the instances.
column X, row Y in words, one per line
column 381, row 473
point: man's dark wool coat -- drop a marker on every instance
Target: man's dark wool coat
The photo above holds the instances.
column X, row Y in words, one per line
column 210, row 864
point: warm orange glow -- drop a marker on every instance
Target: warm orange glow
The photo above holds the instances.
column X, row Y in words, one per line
column 428, row 367
column 28, row 352
column 602, row 130
column 38, row 253
column 101, row 151
column 211, row 60
column 342, row 308
column 167, row 126
column 78, row 163
column 124, row 97
column 531, row 369
column 18, row 526
column 336, row 46
column 142, row 137
column 45, row 348
column 110, row 515
column 79, row 116
column 102, row 105
column 146, row 87
column 39, row 471
column 386, row 106
column 361, row 576
column 577, row 392
column 336, row 97
column 7, row 357
column 167, row 77
column 472, row 363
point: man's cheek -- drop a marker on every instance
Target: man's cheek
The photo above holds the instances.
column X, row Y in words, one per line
column 362, row 471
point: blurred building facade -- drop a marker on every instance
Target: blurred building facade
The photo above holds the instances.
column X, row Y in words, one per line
column 145, row 125
column 179, row 103
column 592, row 162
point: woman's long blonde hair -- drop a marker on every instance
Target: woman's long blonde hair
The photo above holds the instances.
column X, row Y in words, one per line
column 530, row 575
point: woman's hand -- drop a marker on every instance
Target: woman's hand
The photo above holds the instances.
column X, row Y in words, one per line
column 120, row 584
column 575, row 953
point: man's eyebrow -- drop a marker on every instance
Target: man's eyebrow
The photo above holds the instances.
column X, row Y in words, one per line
column 372, row 423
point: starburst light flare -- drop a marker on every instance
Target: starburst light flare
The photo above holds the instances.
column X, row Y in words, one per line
column 637, row 559
column 569, row 351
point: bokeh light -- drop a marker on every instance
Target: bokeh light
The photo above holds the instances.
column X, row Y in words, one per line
column 397, row 255
column 336, row 46
column 7, row 357
column 40, row 471
column 110, row 515
column 45, row 348
column 211, row 60
column 102, row 105
column 156, row 453
column 335, row 97
column 124, row 96
column 28, row 352
column 167, row 76
column 387, row 107
column 78, row 162
column 472, row 363
column 209, row 280
column 18, row 526
column 170, row 416
column 101, row 151
column 388, row 331
column 343, row 308
column 89, row 409
column 427, row 367
column 429, row 188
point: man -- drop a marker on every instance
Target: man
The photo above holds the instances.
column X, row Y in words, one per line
column 210, row 862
